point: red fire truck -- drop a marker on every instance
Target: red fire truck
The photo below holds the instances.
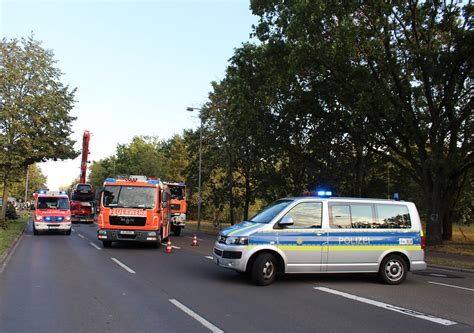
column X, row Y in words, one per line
column 177, row 206
column 52, row 212
column 82, row 194
column 133, row 209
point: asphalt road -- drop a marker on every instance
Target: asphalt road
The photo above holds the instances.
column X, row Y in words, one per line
column 58, row 283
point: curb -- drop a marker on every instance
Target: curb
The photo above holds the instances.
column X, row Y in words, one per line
column 6, row 256
column 455, row 269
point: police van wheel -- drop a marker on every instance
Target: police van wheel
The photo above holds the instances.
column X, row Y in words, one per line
column 107, row 243
column 393, row 269
column 264, row 269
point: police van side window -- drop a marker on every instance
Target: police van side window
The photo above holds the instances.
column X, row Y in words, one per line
column 306, row 215
column 392, row 216
column 346, row 216
column 340, row 216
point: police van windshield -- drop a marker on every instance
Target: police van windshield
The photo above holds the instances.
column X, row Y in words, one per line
column 129, row 197
column 52, row 203
column 267, row 214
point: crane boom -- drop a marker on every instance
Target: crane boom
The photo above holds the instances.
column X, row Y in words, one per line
column 85, row 154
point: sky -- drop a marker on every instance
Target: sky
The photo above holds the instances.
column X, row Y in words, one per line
column 136, row 65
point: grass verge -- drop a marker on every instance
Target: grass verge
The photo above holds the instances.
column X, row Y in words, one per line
column 7, row 236
column 206, row 227
column 449, row 263
column 462, row 242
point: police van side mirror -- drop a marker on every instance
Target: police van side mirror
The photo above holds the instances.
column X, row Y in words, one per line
column 286, row 221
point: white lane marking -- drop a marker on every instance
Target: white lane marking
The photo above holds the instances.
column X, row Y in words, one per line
column 73, row 229
column 98, row 248
column 438, row 275
column 193, row 314
column 128, row 269
column 176, row 247
column 389, row 307
column 80, row 235
column 209, row 257
column 450, row 285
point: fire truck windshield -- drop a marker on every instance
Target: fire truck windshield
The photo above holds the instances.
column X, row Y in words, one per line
column 129, row 197
column 53, row 203
column 177, row 192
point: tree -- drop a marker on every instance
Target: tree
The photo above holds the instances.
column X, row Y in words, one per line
column 143, row 156
column 101, row 170
column 36, row 181
column 35, row 124
column 176, row 156
column 404, row 69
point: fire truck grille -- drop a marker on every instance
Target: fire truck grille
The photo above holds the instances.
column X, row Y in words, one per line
column 175, row 206
column 128, row 220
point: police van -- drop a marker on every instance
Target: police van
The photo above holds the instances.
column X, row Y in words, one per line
column 323, row 234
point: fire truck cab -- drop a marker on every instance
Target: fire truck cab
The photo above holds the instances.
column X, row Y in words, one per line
column 135, row 209
column 52, row 212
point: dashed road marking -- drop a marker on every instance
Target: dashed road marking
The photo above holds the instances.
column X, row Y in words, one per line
column 73, row 229
column 389, row 307
column 176, row 247
column 128, row 269
column 450, row 285
column 98, row 248
column 194, row 315
column 80, row 235
column 209, row 257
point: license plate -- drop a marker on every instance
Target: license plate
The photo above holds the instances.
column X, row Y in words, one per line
column 127, row 232
column 53, row 227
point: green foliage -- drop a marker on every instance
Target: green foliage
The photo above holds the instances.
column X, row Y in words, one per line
column 36, row 181
column 11, row 212
column 35, row 124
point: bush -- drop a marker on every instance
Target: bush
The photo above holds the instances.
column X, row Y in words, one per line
column 11, row 212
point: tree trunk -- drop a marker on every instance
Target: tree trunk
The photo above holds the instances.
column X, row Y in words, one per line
column 434, row 215
column 248, row 196
column 230, row 180
column 3, row 211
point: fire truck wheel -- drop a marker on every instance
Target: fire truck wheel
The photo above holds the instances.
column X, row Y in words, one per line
column 35, row 232
column 68, row 232
column 176, row 231
column 156, row 245
column 107, row 243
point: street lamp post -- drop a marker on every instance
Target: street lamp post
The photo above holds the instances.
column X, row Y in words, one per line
column 191, row 109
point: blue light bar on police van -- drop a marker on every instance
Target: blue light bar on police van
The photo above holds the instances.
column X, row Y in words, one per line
column 323, row 193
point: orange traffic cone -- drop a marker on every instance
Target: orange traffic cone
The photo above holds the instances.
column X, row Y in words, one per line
column 195, row 241
column 169, row 249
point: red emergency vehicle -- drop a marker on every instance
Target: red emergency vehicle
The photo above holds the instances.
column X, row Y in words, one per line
column 133, row 209
column 52, row 212
column 178, row 206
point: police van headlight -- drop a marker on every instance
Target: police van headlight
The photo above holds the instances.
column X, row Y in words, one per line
column 237, row 240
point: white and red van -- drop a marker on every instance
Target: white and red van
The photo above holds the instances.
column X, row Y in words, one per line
column 52, row 212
